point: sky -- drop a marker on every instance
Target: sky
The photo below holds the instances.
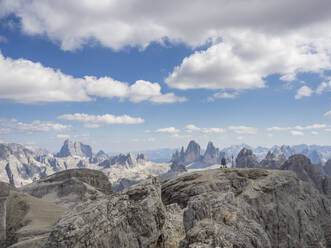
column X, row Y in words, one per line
column 142, row 75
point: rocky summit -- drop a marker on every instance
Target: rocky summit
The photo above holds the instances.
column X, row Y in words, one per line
column 246, row 159
column 212, row 208
column 249, row 208
column 73, row 148
column 309, row 172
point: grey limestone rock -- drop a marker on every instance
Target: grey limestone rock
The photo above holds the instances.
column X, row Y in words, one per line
column 249, row 208
column 192, row 153
column 327, row 168
column 72, row 148
column 69, row 187
column 211, row 155
column 176, row 169
column 309, row 172
column 246, row 159
column 272, row 161
column 134, row 218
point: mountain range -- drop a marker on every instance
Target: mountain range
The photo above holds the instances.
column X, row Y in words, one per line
column 21, row 165
column 212, row 155
column 76, row 198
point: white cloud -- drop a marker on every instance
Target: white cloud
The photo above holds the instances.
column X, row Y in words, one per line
column 170, row 130
column 141, row 22
column 35, row 126
column 213, row 130
column 249, row 39
column 29, row 82
column 226, row 95
column 324, row 86
column 240, row 138
column 143, row 140
column 304, row 91
column 297, row 127
column 243, row 129
column 327, row 130
column 63, row 136
column 243, row 59
column 4, row 130
column 313, row 126
column 275, row 128
column 95, row 121
column 328, row 114
column 297, row 133
column 314, row 133
column 190, row 128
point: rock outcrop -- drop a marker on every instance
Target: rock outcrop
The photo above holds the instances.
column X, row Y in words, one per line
column 308, row 172
column 249, row 208
column 211, row 155
column 178, row 156
column 246, row 159
column 99, row 157
column 68, row 188
column 192, row 153
column 141, row 158
column 272, row 161
column 126, row 161
column 327, row 168
column 123, row 183
column 72, row 148
column 176, row 169
column 4, row 193
column 134, row 218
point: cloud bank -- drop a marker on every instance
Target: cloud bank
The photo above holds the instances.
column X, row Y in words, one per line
column 25, row 81
column 95, row 121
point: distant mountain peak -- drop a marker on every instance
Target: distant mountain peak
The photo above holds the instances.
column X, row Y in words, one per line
column 74, row 148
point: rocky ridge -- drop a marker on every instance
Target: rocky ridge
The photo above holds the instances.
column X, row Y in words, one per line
column 69, row 187
column 20, row 165
column 212, row 208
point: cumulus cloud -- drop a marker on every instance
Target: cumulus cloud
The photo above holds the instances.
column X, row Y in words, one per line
column 29, row 82
column 63, row 136
column 243, row 129
column 190, row 128
column 170, row 130
column 297, row 133
column 324, row 86
column 138, row 23
column 304, row 91
column 298, row 127
column 313, row 126
column 35, row 126
column 275, row 128
column 314, row 133
column 226, row 95
column 95, row 121
column 243, row 59
column 250, row 39
column 328, row 114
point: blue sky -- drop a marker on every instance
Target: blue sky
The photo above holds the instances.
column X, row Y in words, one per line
column 140, row 79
